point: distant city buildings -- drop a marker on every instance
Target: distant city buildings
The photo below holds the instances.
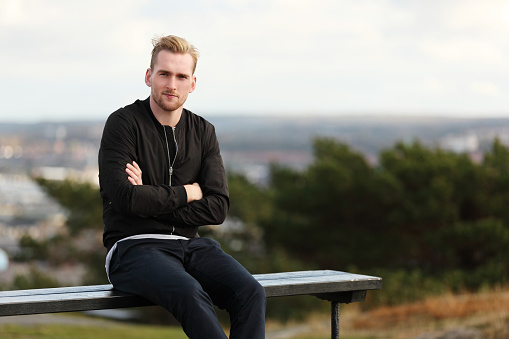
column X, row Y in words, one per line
column 25, row 209
column 464, row 143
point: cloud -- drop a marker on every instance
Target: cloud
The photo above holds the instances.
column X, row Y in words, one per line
column 258, row 56
column 485, row 88
column 461, row 49
column 75, row 37
column 489, row 16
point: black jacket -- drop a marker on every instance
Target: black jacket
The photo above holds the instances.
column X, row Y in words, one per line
column 132, row 134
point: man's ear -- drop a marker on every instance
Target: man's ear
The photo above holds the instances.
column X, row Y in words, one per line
column 193, row 86
column 148, row 75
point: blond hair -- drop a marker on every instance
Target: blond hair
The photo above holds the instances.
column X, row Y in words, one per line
column 173, row 44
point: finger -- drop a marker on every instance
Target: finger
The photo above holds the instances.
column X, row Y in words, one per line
column 131, row 167
column 132, row 181
column 135, row 169
column 133, row 176
column 130, row 172
column 135, row 164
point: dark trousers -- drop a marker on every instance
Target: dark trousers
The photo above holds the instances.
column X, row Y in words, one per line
column 187, row 277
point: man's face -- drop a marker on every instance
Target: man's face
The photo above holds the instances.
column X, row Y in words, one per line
column 171, row 80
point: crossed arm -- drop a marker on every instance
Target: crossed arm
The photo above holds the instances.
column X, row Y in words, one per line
column 193, row 191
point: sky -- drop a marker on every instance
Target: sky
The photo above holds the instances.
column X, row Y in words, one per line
column 80, row 60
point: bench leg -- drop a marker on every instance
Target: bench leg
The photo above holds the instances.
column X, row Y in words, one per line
column 334, row 320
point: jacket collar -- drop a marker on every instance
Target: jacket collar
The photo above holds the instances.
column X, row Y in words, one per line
column 180, row 124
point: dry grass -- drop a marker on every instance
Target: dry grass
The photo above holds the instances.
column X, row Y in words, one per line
column 440, row 308
column 486, row 313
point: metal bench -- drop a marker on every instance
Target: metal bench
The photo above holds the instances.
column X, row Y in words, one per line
column 334, row 286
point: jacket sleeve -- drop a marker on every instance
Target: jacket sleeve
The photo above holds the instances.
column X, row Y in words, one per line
column 119, row 147
column 213, row 207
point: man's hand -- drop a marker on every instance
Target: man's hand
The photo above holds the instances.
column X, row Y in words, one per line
column 193, row 192
column 134, row 172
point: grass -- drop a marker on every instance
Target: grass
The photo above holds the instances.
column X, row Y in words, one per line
column 486, row 313
column 115, row 331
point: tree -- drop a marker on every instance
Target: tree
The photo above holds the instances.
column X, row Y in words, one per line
column 419, row 209
column 437, row 189
column 83, row 243
column 494, row 193
column 329, row 214
column 82, row 201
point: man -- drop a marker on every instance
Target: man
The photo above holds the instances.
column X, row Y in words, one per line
column 161, row 177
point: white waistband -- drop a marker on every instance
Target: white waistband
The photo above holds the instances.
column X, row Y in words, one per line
column 138, row 236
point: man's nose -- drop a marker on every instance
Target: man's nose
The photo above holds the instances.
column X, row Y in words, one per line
column 172, row 82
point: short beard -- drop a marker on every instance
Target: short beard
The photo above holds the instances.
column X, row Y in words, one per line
column 165, row 106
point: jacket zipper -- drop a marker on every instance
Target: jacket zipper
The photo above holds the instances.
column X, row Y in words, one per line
column 171, row 163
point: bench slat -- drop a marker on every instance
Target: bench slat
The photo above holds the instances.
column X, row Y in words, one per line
column 55, row 290
column 315, row 282
column 330, row 285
